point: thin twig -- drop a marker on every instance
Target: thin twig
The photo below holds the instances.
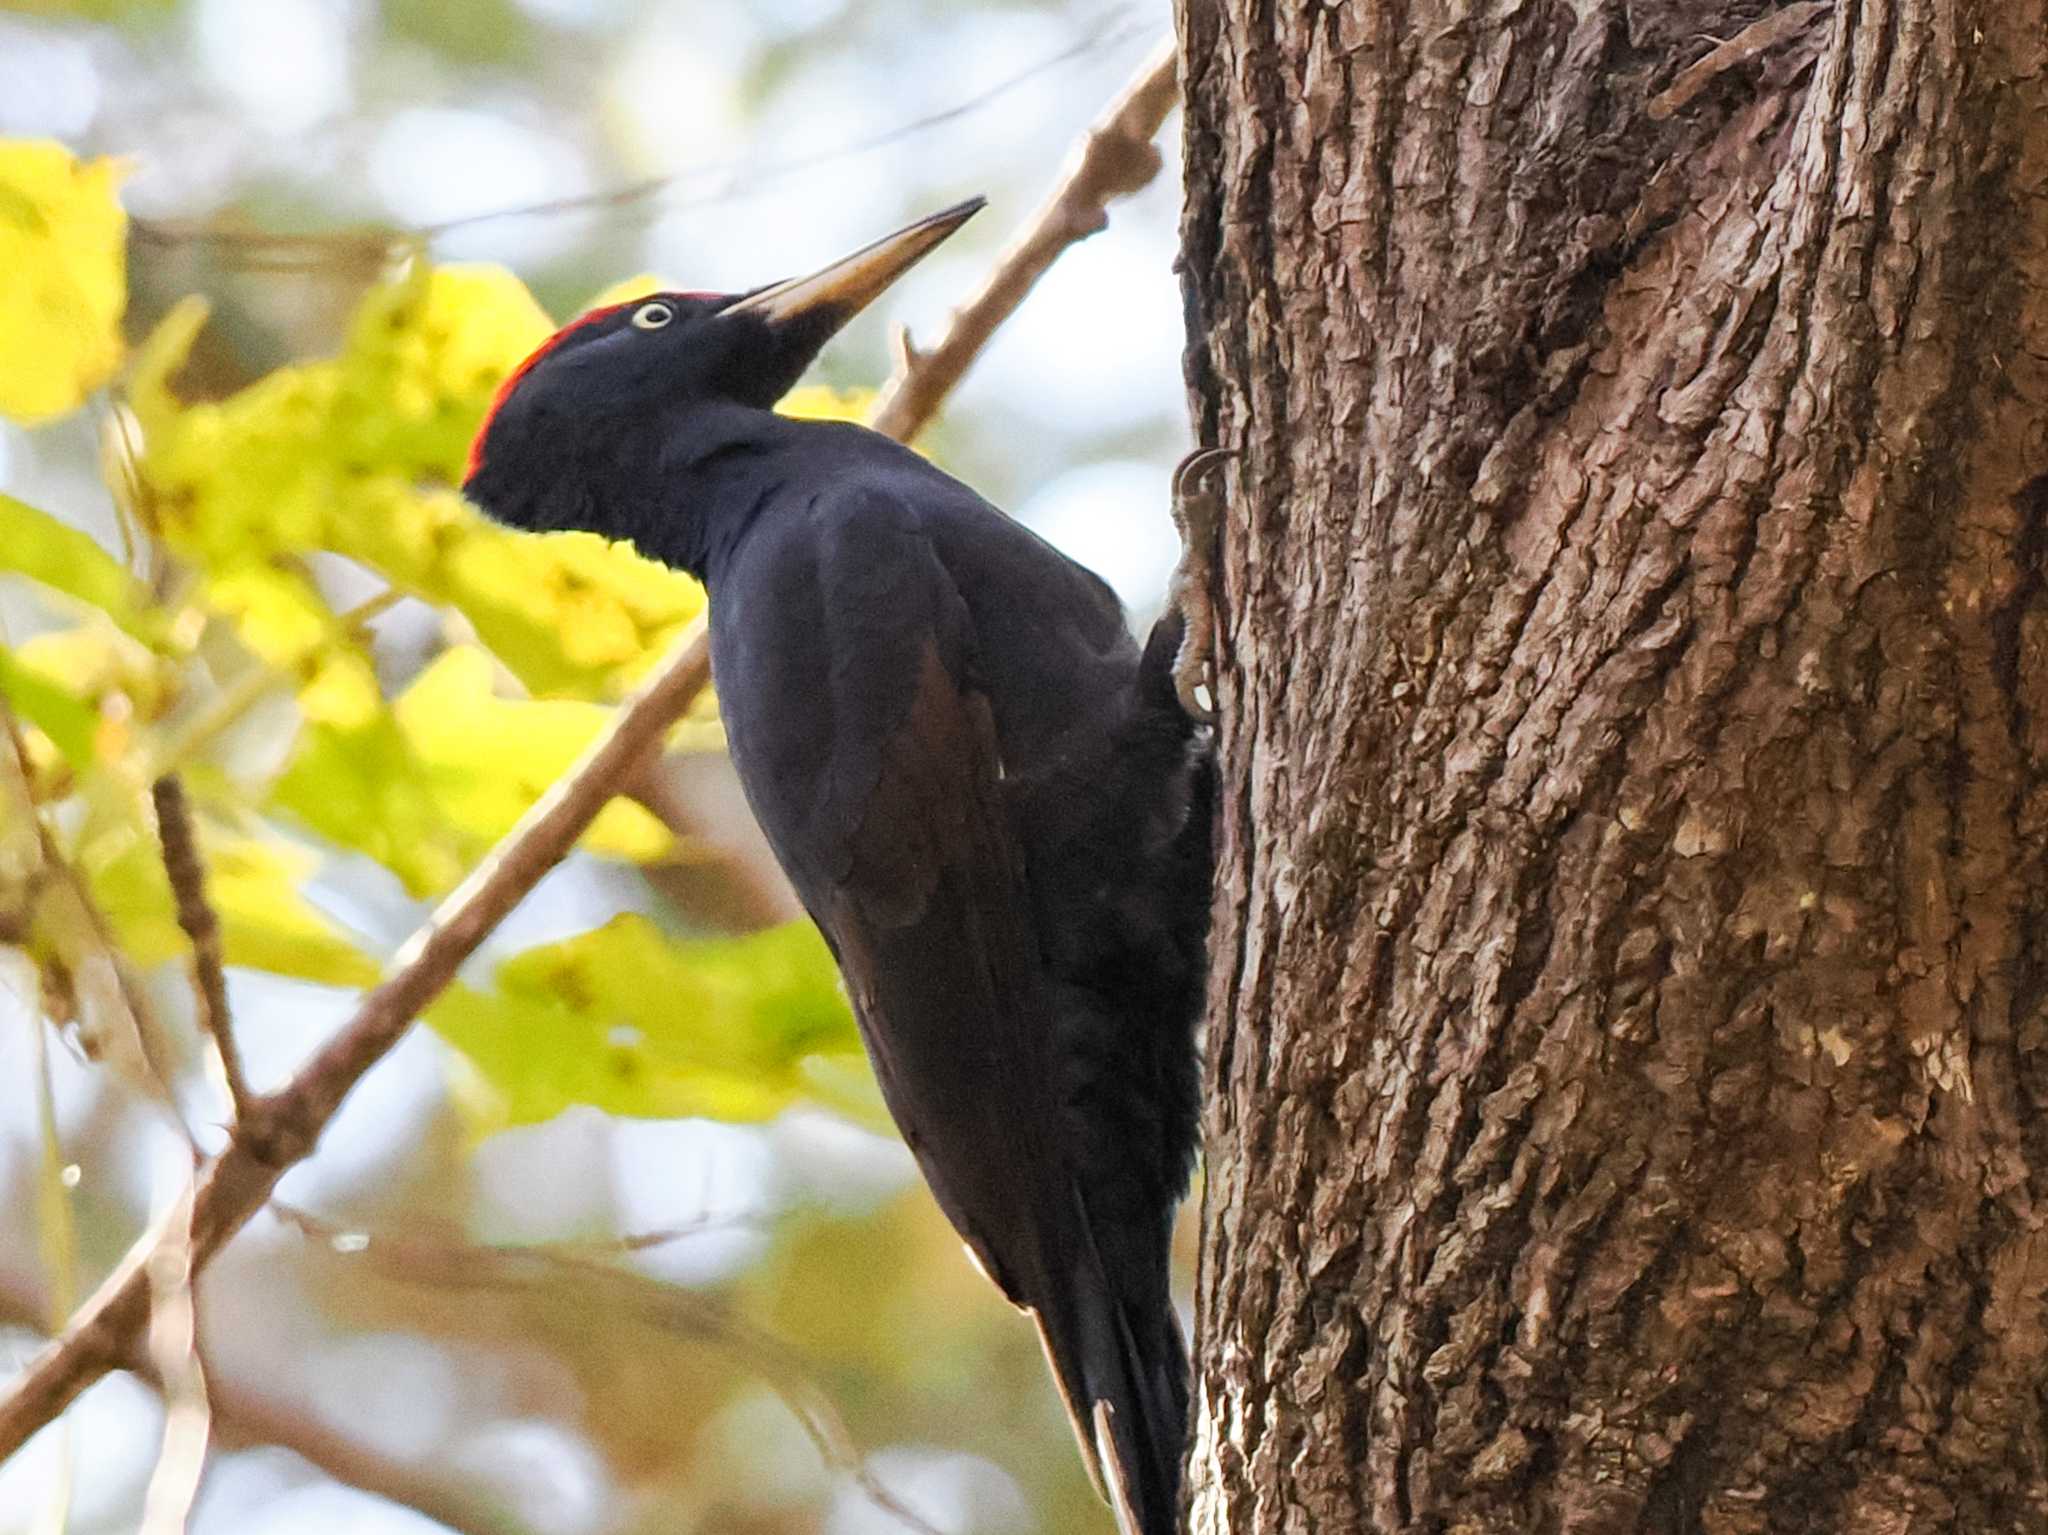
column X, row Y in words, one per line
column 350, row 1239
column 174, row 1350
column 260, row 250
column 187, row 874
column 623, row 1292
column 284, row 1127
column 1115, row 159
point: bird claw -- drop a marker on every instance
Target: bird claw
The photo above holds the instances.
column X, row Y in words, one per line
column 1198, row 515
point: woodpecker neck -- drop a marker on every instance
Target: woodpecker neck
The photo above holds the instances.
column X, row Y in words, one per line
column 719, row 469
column 729, row 465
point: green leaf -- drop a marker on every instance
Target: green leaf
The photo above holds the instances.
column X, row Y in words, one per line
column 494, row 32
column 626, row 1020
column 37, row 545
column 488, row 759
column 359, row 786
column 428, row 786
column 69, row 721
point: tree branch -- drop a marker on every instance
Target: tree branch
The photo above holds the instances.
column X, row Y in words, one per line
column 174, row 1354
column 187, row 874
column 1113, row 160
column 281, row 1129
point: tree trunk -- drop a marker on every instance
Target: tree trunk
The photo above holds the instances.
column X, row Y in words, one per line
column 1629, row 1044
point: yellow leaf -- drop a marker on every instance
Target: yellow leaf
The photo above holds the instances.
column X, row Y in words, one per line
column 490, row 758
column 62, row 235
column 98, row 662
column 635, row 1023
column 360, row 787
column 427, row 788
column 820, row 402
column 56, row 710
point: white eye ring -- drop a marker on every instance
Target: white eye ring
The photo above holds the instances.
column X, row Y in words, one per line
column 653, row 316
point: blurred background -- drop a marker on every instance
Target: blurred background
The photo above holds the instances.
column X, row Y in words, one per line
column 760, row 1323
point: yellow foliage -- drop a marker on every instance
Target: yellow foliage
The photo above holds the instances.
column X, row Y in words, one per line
column 53, row 708
column 426, row 788
column 360, row 455
column 62, row 233
column 253, row 883
column 58, row 556
column 489, row 758
column 633, row 1022
column 819, row 402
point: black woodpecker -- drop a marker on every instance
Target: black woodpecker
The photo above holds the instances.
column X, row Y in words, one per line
column 989, row 797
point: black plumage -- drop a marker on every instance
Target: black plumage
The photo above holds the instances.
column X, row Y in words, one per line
column 987, row 796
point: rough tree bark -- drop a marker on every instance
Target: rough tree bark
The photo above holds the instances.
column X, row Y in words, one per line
column 1629, row 1056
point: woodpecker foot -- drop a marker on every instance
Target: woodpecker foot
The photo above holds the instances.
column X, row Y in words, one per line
column 1198, row 514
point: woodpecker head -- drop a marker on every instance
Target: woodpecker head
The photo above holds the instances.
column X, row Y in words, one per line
column 598, row 397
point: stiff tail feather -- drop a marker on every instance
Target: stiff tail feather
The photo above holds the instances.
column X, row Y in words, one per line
column 1124, row 1378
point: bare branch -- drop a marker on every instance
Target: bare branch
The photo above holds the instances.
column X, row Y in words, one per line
column 1113, row 160
column 282, row 1129
column 348, row 1239
column 259, row 250
column 187, row 874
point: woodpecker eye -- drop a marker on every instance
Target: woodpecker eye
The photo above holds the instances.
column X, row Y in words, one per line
column 653, row 316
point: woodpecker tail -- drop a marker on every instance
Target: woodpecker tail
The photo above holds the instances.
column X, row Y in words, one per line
column 1123, row 1372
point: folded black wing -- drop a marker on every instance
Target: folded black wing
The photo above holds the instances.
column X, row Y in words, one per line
column 846, row 668
column 849, row 670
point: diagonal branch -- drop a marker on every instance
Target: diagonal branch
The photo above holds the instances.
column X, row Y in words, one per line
column 1113, row 160
column 174, row 1352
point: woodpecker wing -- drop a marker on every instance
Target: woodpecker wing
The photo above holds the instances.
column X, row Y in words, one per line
column 870, row 752
column 872, row 763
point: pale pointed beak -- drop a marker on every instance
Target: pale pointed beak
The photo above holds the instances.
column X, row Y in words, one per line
column 849, row 285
